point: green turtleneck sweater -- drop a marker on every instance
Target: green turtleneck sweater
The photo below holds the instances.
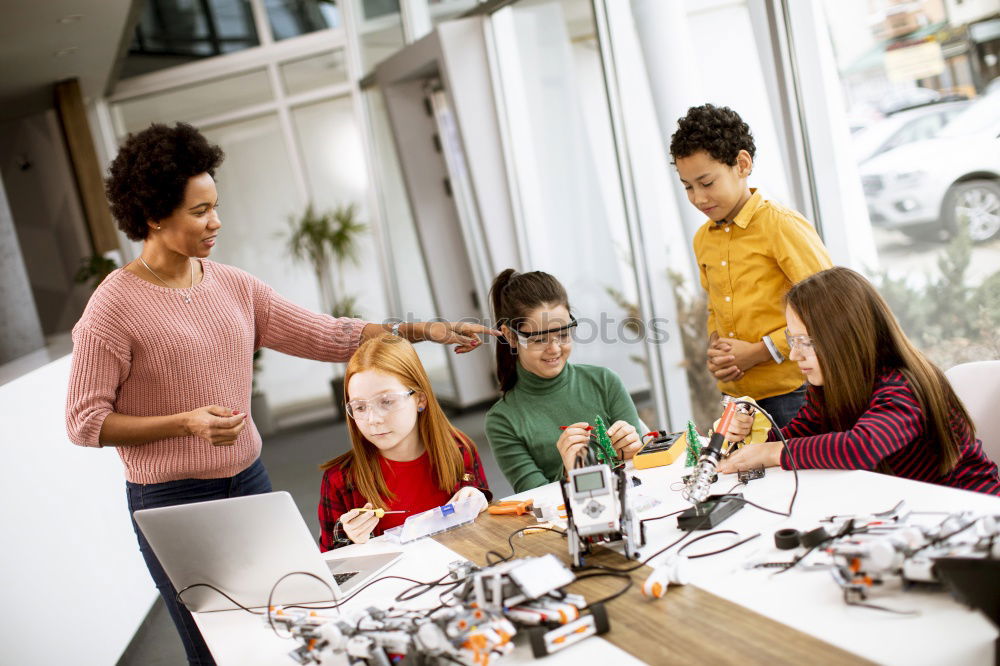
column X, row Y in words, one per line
column 523, row 426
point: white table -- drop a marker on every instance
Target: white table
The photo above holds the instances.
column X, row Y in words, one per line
column 811, row 602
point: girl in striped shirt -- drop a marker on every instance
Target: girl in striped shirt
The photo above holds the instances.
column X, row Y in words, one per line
column 874, row 402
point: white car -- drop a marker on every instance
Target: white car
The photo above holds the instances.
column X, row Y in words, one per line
column 921, row 122
column 927, row 188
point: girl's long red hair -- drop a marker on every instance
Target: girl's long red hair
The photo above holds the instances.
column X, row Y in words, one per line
column 395, row 356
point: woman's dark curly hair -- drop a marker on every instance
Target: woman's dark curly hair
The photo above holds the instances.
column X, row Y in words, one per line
column 719, row 131
column 151, row 171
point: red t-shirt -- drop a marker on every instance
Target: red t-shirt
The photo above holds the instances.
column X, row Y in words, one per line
column 409, row 481
column 415, row 486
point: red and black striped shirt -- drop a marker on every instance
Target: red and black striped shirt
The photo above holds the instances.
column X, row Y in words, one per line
column 338, row 494
column 892, row 430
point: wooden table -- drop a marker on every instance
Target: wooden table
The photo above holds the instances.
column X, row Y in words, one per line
column 687, row 625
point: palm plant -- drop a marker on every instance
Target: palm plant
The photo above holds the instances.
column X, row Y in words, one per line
column 326, row 241
column 94, row 269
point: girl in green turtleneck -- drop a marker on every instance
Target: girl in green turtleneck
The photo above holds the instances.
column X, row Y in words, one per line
column 542, row 391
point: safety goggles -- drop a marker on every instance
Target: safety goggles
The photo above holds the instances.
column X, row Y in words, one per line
column 380, row 405
column 803, row 343
column 538, row 340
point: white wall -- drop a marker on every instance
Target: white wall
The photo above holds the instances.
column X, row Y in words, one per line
column 74, row 584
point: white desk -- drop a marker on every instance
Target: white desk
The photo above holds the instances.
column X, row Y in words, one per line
column 811, row 602
column 237, row 638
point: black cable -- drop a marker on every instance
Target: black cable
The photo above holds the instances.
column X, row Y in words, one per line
column 643, row 563
column 510, row 542
column 934, row 542
column 791, row 460
column 610, row 597
column 666, row 515
column 864, row 604
column 270, row 596
column 406, row 596
column 178, row 599
column 721, row 550
column 356, row 593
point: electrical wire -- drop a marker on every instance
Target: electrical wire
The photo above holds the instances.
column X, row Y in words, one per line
column 715, row 552
column 359, row 590
column 510, row 543
column 865, row 604
column 610, row 597
column 178, row 598
column 791, row 461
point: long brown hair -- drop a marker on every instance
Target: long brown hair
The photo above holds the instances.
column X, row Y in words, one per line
column 395, row 356
column 856, row 336
column 512, row 296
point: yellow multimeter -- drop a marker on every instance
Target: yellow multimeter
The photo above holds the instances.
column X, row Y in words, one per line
column 661, row 448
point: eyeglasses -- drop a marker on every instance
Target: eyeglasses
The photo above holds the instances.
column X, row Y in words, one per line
column 801, row 342
column 383, row 404
column 539, row 340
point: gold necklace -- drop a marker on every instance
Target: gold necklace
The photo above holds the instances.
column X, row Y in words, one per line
column 187, row 296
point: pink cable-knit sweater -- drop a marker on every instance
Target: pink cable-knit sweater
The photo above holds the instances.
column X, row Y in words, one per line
column 140, row 350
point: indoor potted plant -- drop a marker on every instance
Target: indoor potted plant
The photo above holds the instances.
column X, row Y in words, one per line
column 326, row 241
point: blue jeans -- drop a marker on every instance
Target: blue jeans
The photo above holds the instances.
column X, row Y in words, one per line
column 251, row 481
column 783, row 408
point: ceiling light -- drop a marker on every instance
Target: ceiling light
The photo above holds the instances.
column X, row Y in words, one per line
column 71, row 18
column 69, row 50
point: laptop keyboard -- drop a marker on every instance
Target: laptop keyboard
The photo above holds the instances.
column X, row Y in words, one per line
column 341, row 576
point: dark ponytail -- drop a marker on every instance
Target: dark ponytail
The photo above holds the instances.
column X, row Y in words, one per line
column 512, row 296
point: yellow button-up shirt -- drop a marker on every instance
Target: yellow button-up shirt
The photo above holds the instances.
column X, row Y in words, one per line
column 747, row 266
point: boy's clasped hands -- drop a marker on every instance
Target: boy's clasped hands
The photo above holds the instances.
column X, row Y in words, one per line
column 730, row 358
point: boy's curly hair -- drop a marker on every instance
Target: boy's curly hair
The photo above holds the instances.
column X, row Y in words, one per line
column 148, row 177
column 719, row 131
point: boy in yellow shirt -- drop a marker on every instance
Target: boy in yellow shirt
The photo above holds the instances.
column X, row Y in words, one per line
column 750, row 252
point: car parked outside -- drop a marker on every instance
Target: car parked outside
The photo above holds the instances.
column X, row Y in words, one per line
column 927, row 188
column 915, row 124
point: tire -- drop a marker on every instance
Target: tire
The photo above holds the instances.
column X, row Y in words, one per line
column 601, row 623
column 538, row 647
column 975, row 204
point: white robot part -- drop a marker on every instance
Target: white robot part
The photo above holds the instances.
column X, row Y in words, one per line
column 675, row 571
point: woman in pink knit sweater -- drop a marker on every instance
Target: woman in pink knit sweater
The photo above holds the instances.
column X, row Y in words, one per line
column 162, row 356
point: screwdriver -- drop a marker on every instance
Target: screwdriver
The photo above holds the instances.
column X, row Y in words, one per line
column 378, row 512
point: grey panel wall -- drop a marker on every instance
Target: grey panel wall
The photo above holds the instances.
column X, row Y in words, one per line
column 42, row 197
column 20, row 330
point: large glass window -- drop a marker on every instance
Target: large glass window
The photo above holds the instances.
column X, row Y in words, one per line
column 925, row 130
column 257, row 194
column 291, row 18
column 194, row 102
column 171, row 32
column 380, row 30
column 407, row 264
column 443, row 10
column 315, row 71
column 566, row 174
column 334, row 160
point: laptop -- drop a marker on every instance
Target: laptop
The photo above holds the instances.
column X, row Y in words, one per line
column 244, row 546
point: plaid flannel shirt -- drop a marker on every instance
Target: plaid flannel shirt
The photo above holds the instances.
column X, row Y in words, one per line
column 338, row 494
